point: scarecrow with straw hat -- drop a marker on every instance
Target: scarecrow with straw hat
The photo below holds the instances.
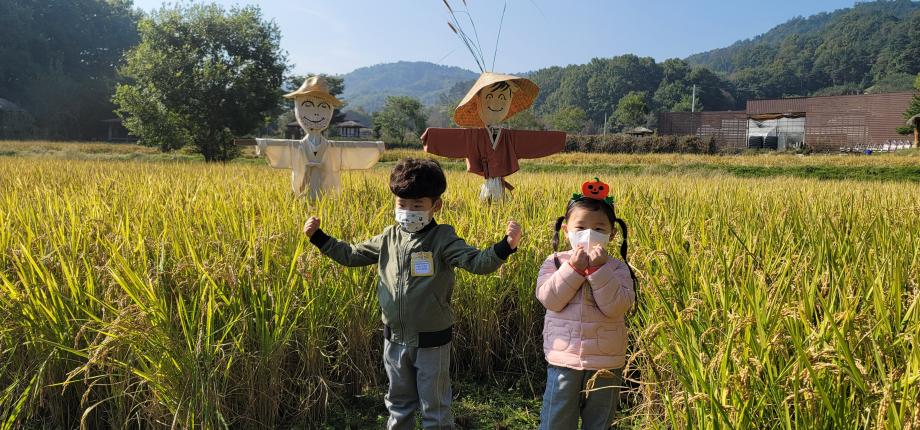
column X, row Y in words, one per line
column 490, row 150
column 315, row 162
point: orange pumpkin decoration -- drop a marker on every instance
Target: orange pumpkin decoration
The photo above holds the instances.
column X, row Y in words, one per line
column 595, row 189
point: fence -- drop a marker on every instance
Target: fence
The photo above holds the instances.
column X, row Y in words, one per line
column 728, row 128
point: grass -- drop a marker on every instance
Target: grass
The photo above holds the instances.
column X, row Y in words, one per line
column 477, row 405
column 179, row 294
column 900, row 166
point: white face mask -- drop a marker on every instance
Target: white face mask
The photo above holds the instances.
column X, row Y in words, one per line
column 588, row 238
column 412, row 221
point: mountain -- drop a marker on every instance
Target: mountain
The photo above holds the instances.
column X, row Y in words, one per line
column 368, row 87
column 873, row 46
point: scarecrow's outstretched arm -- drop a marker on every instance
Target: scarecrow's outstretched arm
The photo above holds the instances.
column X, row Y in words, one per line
column 537, row 144
column 447, row 142
column 278, row 152
column 358, row 155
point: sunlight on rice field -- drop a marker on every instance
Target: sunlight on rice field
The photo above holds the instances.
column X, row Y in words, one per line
column 158, row 294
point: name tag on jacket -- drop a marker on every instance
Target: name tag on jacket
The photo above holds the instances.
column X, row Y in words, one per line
column 422, row 264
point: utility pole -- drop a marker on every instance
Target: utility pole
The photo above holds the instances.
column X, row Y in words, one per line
column 693, row 106
column 605, row 123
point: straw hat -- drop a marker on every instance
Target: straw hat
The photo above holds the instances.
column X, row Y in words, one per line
column 524, row 93
column 315, row 86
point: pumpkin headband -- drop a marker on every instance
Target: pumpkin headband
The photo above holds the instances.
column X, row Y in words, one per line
column 594, row 190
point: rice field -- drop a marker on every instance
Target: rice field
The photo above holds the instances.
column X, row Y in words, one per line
column 138, row 294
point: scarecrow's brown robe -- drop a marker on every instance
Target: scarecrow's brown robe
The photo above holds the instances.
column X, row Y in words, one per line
column 474, row 145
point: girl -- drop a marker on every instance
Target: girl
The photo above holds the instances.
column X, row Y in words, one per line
column 587, row 295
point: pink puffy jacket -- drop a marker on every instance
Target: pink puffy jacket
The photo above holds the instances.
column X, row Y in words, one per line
column 585, row 326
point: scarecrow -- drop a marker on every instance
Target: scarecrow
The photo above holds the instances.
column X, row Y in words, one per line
column 490, row 150
column 315, row 162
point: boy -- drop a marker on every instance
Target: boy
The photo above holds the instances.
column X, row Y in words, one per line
column 416, row 258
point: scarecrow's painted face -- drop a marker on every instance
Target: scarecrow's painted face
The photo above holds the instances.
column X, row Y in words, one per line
column 313, row 113
column 494, row 103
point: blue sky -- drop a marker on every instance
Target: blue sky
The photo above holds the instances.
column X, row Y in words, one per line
column 338, row 36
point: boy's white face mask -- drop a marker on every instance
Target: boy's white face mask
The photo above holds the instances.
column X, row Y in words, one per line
column 587, row 238
column 412, row 221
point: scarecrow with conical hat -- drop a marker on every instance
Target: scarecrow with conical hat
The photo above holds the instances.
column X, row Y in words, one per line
column 316, row 163
column 490, row 150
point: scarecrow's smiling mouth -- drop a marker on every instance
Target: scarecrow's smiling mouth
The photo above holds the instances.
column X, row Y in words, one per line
column 494, row 110
column 316, row 121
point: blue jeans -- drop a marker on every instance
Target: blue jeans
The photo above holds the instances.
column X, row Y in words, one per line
column 565, row 399
column 419, row 379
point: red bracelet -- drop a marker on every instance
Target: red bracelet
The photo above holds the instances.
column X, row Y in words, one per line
column 580, row 272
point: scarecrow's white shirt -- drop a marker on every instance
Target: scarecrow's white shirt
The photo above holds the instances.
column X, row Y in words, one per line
column 316, row 163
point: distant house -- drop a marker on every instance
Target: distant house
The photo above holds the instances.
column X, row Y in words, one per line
column 353, row 129
column 293, row 131
column 116, row 131
column 638, row 131
column 350, row 127
column 15, row 122
column 827, row 123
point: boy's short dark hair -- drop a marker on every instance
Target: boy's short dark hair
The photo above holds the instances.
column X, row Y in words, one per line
column 415, row 178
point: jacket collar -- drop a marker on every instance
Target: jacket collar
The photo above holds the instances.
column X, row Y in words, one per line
column 431, row 225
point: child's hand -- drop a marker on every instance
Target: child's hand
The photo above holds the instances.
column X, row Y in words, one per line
column 311, row 226
column 514, row 234
column 579, row 259
column 598, row 256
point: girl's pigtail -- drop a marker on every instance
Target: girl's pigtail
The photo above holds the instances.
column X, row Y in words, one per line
column 624, row 248
column 556, row 229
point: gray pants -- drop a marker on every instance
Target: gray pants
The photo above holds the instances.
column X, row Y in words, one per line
column 565, row 399
column 418, row 377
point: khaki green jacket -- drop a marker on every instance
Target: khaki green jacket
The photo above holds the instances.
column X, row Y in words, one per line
column 412, row 304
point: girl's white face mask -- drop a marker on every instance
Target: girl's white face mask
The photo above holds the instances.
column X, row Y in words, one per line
column 588, row 238
column 412, row 221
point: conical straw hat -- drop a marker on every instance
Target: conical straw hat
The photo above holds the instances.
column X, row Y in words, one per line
column 523, row 95
column 318, row 87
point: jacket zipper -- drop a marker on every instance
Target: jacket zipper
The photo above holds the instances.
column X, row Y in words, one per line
column 399, row 275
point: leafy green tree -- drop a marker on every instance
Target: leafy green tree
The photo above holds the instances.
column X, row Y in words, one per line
column 525, row 120
column 914, row 108
column 570, row 119
column 57, row 60
column 401, row 115
column 201, row 75
column 895, row 82
column 632, row 109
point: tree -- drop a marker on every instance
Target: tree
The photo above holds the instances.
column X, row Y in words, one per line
column 632, row 109
column 400, row 115
column 58, row 61
column 200, row 75
column 525, row 120
column 914, row 108
column 893, row 83
column 570, row 119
